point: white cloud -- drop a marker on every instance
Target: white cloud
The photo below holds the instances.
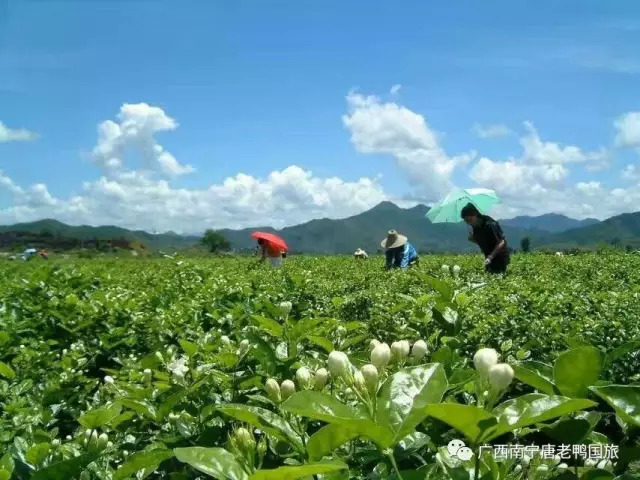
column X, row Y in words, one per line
column 538, row 181
column 140, row 198
column 134, row 130
column 135, row 200
column 628, row 130
column 631, row 173
column 395, row 89
column 16, row 135
column 536, row 151
column 389, row 128
column 512, row 177
column 144, row 196
column 491, row 131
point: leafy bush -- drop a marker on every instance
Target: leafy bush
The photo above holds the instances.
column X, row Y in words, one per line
column 119, row 369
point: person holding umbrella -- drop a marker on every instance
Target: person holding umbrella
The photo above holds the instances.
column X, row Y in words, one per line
column 488, row 235
column 470, row 205
column 399, row 253
column 271, row 247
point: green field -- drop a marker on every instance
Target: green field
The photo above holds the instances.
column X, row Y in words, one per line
column 139, row 368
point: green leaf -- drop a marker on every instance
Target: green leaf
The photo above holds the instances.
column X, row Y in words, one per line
column 573, row 431
column 447, row 318
column 216, row 462
column 4, row 475
column 38, row 453
column 443, row 355
column 535, row 374
column 188, row 347
column 478, row 425
column 506, row 345
column 327, row 408
column 303, row 327
column 4, row 337
column 469, row 420
column 269, row 326
column 621, row 351
column 265, row 420
column 126, row 416
column 141, row 461
column 576, row 370
column 414, row 441
column 597, row 474
column 532, row 409
column 327, row 439
column 443, row 288
column 298, row 471
column 353, row 341
column 322, row 342
column 71, row 468
column 7, row 463
column 461, row 376
column 7, row 371
column 403, row 397
column 263, row 353
column 143, row 408
column 100, row 416
column 625, row 400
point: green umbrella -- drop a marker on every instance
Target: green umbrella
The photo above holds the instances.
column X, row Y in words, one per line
column 448, row 210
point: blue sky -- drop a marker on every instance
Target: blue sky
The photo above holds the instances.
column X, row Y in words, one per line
column 258, row 87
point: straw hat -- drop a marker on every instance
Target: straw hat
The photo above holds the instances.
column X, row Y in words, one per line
column 393, row 240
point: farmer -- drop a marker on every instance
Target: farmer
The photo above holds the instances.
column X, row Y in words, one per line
column 399, row 252
column 270, row 251
column 488, row 235
column 360, row 254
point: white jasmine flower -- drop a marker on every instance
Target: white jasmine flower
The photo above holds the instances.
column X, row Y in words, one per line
column 370, row 374
column 381, row 355
column 339, row 364
column 303, row 377
column 500, row 376
column 287, row 388
column 419, row 350
column 484, row 359
column 320, row 379
column 178, row 368
column 286, row 307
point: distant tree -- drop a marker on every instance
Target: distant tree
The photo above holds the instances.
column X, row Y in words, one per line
column 216, row 242
column 525, row 244
column 46, row 233
column 615, row 242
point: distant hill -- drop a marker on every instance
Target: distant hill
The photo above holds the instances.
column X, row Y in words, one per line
column 366, row 230
column 50, row 232
column 550, row 222
column 621, row 230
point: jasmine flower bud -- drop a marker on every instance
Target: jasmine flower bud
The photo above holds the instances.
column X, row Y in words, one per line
column 484, row 359
column 287, row 388
column 381, row 355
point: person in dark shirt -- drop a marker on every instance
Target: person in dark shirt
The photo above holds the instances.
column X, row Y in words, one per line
column 488, row 235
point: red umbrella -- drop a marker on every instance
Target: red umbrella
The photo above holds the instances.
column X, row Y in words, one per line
column 273, row 239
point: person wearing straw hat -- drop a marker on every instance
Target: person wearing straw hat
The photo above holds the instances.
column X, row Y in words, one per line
column 399, row 252
column 488, row 235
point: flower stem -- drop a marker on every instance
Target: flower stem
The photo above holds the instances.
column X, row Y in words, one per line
column 477, row 465
column 392, row 459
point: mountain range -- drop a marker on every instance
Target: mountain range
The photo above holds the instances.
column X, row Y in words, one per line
column 46, row 232
column 365, row 230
